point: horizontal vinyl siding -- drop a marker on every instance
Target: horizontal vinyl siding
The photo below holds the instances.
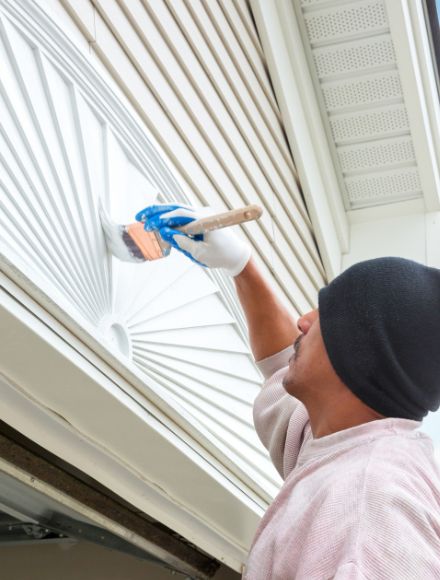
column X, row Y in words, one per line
column 195, row 72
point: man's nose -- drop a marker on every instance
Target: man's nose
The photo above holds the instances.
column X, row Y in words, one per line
column 305, row 322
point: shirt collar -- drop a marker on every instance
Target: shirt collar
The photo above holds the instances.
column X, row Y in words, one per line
column 355, row 436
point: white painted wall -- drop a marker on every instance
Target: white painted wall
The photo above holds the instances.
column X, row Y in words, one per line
column 399, row 229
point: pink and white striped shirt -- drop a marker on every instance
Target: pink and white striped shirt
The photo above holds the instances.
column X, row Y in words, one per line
column 363, row 503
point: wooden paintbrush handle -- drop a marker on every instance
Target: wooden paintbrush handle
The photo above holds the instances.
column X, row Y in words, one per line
column 222, row 220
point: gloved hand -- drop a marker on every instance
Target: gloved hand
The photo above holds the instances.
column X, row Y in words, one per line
column 216, row 249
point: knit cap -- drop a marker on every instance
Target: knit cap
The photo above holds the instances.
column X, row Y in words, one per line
column 380, row 322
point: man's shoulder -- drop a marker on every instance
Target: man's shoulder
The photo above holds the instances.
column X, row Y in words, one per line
column 388, row 483
column 402, row 466
column 379, row 464
column 396, row 451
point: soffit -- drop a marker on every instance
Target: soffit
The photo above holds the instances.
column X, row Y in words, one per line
column 351, row 49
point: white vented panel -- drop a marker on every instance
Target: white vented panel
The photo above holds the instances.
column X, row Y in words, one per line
column 67, row 142
column 354, row 127
column 344, row 21
column 367, row 91
column 349, row 57
column 375, row 154
column 384, row 186
column 356, row 76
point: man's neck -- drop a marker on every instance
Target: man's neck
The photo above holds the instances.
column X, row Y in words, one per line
column 332, row 416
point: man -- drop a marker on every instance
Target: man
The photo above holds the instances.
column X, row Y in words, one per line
column 339, row 414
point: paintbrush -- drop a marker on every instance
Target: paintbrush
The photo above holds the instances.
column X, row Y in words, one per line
column 131, row 243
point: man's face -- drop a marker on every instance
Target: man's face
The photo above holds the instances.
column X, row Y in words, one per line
column 309, row 366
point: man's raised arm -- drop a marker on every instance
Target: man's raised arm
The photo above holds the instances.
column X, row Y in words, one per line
column 271, row 327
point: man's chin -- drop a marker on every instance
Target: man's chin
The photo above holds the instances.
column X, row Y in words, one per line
column 290, row 383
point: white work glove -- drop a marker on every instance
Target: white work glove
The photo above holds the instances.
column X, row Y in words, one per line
column 216, row 249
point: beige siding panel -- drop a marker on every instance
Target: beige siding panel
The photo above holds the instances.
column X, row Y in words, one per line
column 238, row 47
column 245, row 15
column 222, row 43
column 195, row 72
column 278, row 176
column 204, row 41
column 230, row 88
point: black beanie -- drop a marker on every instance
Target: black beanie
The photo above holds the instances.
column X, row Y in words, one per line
column 380, row 321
